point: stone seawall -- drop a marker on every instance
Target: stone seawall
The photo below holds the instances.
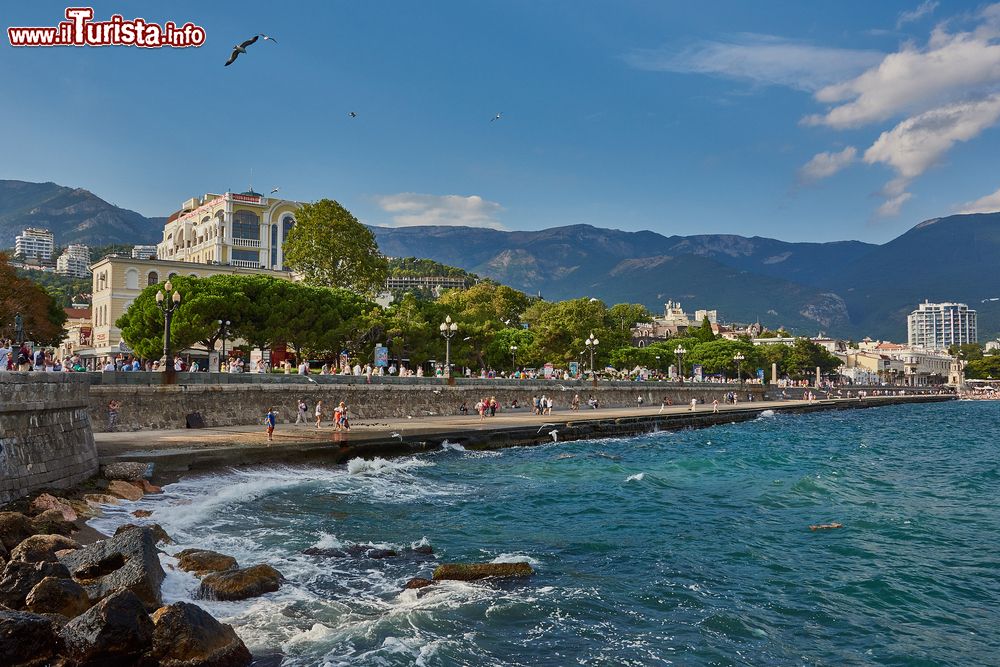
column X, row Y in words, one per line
column 166, row 407
column 46, row 439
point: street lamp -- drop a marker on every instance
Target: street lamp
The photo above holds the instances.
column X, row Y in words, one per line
column 448, row 329
column 224, row 328
column 680, row 352
column 513, row 364
column 658, row 367
column 738, row 358
column 591, row 344
column 168, row 300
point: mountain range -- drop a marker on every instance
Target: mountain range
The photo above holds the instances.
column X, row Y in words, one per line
column 73, row 215
column 843, row 288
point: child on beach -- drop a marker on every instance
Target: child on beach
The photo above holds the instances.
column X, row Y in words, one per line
column 269, row 421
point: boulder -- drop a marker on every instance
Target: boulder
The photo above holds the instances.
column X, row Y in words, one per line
column 142, row 514
column 39, row 548
column 248, row 582
column 98, row 499
column 202, row 562
column 57, row 596
column 418, row 582
column 128, row 560
column 144, row 486
column 352, row 551
column 14, row 529
column 115, row 631
column 124, row 490
column 51, row 522
column 127, row 470
column 47, row 501
column 4, row 554
column 27, row 640
column 159, row 534
column 474, row 571
column 19, row 578
column 185, row 635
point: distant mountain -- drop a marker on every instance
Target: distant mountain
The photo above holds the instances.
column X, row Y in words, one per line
column 845, row 288
column 74, row 215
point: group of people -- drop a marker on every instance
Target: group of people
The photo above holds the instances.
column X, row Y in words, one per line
column 14, row 357
column 338, row 418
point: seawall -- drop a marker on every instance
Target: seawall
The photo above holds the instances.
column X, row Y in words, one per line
column 161, row 407
column 46, row 440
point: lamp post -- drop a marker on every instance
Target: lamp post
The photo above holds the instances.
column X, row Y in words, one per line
column 680, row 352
column 513, row 353
column 591, row 344
column 168, row 300
column 448, row 329
column 224, row 328
column 658, row 366
column 738, row 358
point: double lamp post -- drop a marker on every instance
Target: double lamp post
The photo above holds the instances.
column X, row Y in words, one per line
column 168, row 300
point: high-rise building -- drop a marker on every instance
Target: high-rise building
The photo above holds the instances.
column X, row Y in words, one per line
column 144, row 252
column 938, row 326
column 75, row 261
column 34, row 243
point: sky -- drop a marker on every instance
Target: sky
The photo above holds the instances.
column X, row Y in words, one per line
column 803, row 121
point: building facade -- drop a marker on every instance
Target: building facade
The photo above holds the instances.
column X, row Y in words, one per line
column 937, row 326
column 34, row 243
column 144, row 252
column 244, row 230
column 75, row 261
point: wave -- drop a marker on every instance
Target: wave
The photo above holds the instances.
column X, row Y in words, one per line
column 516, row 558
column 360, row 466
column 452, row 446
column 766, row 414
column 638, row 477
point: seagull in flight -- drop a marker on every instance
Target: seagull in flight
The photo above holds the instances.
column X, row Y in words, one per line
column 555, row 435
column 353, row 114
column 497, row 117
column 543, row 426
column 274, row 190
column 242, row 47
column 396, row 435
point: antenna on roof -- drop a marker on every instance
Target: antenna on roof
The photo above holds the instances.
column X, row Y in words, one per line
column 251, row 179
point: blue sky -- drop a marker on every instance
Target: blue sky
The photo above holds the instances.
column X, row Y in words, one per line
column 804, row 121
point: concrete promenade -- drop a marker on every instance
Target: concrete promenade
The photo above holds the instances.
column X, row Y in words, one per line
column 180, row 451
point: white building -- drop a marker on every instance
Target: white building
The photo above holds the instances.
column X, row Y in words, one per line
column 144, row 252
column 75, row 261
column 35, row 243
column 937, row 326
column 700, row 315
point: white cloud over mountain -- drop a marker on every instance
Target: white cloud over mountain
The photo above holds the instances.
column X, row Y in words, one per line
column 411, row 208
column 824, row 165
column 988, row 204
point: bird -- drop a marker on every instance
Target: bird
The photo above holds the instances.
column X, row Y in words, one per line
column 497, row 117
column 555, row 435
column 543, row 426
column 274, row 190
column 242, row 47
column 353, row 114
column 396, row 435
column 437, row 391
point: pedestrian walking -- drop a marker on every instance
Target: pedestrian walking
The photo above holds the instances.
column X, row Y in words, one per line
column 270, row 419
column 303, row 411
column 694, row 404
column 319, row 412
column 113, row 406
column 715, row 405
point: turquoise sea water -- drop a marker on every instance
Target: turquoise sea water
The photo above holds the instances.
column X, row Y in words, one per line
column 687, row 548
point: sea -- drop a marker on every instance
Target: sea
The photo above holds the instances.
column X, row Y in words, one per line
column 685, row 547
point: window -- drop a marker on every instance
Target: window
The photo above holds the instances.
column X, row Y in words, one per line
column 286, row 226
column 132, row 279
column 244, row 255
column 274, row 246
column 246, row 225
column 152, row 278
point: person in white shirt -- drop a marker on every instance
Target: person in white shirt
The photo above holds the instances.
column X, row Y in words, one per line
column 5, row 352
column 304, row 368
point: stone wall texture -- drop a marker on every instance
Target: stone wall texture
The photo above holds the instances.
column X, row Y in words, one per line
column 46, row 440
column 166, row 406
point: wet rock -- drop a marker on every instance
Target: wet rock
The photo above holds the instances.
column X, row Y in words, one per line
column 115, row 631
column 474, row 571
column 381, row 553
column 185, row 635
column 14, row 529
column 144, row 486
column 203, row 561
column 127, row 470
column 38, row 548
column 57, row 596
column 19, row 578
column 142, row 514
column 248, row 582
column 423, row 550
column 159, row 534
column 27, row 640
column 51, row 522
column 98, row 499
column 126, row 561
column 124, row 490
column 418, row 582
column 352, row 551
column 47, row 501
column 4, row 554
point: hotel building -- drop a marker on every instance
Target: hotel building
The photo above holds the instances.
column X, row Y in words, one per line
column 34, row 243
column 937, row 326
column 75, row 261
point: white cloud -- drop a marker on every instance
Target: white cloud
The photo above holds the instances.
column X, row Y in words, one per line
column 891, row 207
column 988, row 204
column 410, row 209
column 915, row 144
column 923, row 9
column 824, row 165
column 762, row 59
column 914, row 80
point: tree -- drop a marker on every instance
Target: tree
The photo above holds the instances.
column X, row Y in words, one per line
column 42, row 316
column 716, row 356
column 967, row 351
column 704, row 333
column 330, row 248
column 983, row 368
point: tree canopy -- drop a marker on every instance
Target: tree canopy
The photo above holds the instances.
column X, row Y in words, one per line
column 42, row 315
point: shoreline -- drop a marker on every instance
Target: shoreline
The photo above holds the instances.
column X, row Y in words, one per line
column 179, row 453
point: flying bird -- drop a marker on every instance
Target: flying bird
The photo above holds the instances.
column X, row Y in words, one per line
column 274, row 190
column 242, row 47
column 497, row 117
column 555, row 435
column 543, row 426
column 396, row 435
column 353, row 114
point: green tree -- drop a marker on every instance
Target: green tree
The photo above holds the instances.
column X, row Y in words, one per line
column 716, row 356
column 330, row 248
column 984, row 368
column 967, row 351
column 703, row 333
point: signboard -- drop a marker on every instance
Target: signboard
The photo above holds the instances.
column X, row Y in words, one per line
column 85, row 334
column 697, row 372
column 760, row 374
column 381, row 356
column 344, row 359
column 547, row 370
column 574, row 369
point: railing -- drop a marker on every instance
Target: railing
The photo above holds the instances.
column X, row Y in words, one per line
column 246, row 243
column 244, row 263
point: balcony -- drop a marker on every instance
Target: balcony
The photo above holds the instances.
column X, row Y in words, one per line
column 246, row 243
column 243, row 263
